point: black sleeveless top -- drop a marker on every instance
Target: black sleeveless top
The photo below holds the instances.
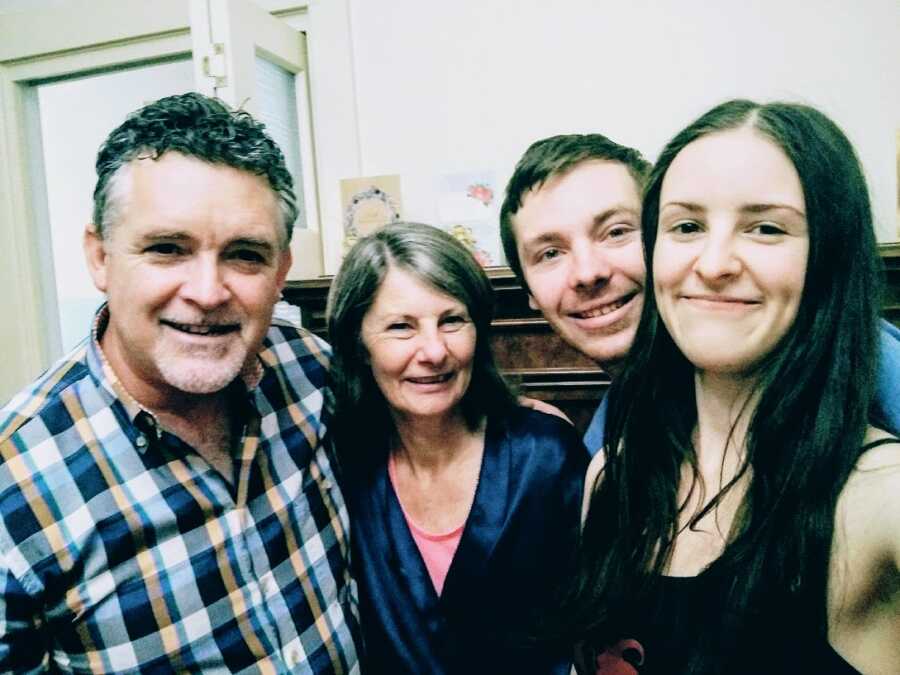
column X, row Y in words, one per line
column 687, row 615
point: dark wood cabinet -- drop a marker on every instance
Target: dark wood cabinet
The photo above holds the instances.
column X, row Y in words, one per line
column 890, row 256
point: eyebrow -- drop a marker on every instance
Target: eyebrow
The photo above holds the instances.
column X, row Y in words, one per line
column 165, row 236
column 762, row 208
column 603, row 216
column 252, row 242
column 746, row 208
column 390, row 316
column 546, row 237
column 609, row 214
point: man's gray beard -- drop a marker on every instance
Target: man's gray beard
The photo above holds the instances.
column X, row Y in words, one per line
column 202, row 375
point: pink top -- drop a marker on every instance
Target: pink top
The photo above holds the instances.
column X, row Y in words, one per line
column 437, row 550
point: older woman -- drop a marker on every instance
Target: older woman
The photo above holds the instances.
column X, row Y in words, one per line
column 464, row 506
column 745, row 517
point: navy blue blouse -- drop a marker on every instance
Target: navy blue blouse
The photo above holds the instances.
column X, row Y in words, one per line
column 516, row 549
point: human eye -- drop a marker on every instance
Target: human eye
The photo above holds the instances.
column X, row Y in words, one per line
column 453, row 322
column 685, row 228
column 164, row 249
column 399, row 329
column 766, row 229
column 248, row 255
column 548, row 254
column 620, row 232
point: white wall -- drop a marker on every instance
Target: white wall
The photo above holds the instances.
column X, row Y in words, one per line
column 469, row 84
column 446, row 86
column 71, row 135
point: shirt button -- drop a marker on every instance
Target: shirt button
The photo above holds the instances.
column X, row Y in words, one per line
column 141, row 441
column 294, row 658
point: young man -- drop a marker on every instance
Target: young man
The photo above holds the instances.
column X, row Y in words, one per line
column 167, row 502
column 571, row 230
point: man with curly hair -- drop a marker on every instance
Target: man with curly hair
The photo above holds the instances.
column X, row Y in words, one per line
column 168, row 500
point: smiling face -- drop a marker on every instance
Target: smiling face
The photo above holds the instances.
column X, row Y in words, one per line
column 191, row 271
column 579, row 242
column 420, row 344
column 731, row 250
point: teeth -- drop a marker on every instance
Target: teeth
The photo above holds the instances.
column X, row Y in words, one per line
column 195, row 329
column 434, row 379
column 601, row 311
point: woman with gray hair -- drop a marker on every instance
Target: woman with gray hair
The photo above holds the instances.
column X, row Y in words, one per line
column 464, row 506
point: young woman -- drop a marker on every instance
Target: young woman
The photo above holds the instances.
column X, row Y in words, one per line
column 745, row 516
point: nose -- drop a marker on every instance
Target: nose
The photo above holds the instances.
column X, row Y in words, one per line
column 205, row 285
column 718, row 260
column 589, row 267
column 432, row 346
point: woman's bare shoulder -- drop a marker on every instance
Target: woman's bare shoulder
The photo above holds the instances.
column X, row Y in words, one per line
column 871, row 496
column 863, row 601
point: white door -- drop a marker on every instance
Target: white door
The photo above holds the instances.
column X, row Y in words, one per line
column 255, row 62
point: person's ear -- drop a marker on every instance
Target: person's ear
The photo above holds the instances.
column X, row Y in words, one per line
column 96, row 257
column 532, row 303
column 286, row 259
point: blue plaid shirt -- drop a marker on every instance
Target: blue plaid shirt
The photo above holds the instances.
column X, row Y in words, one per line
column 122, row 550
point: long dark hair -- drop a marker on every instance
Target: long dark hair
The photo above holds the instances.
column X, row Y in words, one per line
column 363, row 423
column 804, row 437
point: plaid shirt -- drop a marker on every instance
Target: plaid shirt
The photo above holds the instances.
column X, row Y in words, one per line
column 122, row 550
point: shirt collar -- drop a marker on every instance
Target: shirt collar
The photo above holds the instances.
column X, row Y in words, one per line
column 251, row 374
